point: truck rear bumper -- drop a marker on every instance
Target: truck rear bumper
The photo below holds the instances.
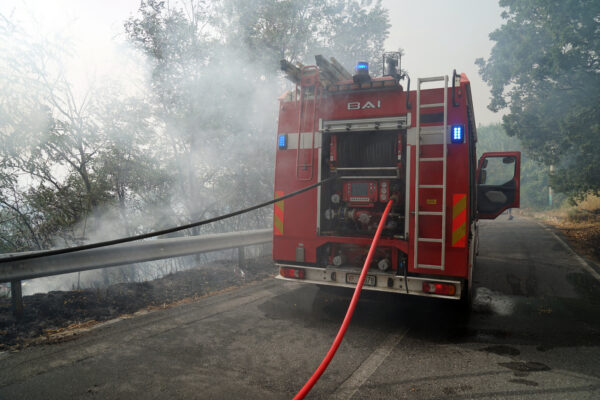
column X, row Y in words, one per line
column 376, row 280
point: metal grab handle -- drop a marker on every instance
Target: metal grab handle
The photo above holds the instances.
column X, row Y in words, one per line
column 408, row 105
column 454, row 103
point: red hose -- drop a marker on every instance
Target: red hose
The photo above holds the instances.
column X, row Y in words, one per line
column 340, row 335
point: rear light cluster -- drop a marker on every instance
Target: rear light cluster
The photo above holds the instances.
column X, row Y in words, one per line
column 439, row 288
column 294, row 273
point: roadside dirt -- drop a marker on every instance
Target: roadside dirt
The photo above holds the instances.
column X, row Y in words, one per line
column 585, row 238
column 580, row 226
column 50, row 315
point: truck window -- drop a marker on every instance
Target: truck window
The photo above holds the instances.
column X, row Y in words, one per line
column 497, row 171
column 498, row 183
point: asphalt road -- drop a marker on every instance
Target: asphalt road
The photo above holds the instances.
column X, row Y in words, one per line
column 534, row 333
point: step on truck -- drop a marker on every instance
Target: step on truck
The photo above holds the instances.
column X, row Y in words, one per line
column 370, row 140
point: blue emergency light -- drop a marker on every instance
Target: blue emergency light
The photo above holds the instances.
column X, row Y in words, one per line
column 457, row 134
column 282, row 142
column 362, row 66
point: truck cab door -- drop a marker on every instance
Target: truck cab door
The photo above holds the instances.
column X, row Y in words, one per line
column 498, row 179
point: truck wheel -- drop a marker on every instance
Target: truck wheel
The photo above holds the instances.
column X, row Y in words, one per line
column 466, row 297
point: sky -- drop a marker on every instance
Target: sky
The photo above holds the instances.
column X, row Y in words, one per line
column 437, row 36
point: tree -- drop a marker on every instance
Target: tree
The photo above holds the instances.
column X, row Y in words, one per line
column 67, row 158
column 545, row 69
column 42, row 132
column 297, row 30
column 357, row 33
column 215, row 82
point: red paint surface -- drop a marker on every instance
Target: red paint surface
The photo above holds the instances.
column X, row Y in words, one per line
column 301, row 211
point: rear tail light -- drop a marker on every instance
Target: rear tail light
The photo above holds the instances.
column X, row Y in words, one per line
column 294, row 273
column 439, row 288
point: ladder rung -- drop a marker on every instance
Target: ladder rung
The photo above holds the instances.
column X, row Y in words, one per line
column 431, row 186
column 432, row 79
column 430, row 213
column 429, row 266
column 432, row 240
column 432, row 105
column 432, row 159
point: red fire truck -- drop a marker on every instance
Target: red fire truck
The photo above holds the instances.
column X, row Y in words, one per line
column 368, row 140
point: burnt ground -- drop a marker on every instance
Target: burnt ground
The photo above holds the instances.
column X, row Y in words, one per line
column 47, row 314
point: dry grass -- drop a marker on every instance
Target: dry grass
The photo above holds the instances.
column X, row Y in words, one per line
column 591, row 203
column 580, row 224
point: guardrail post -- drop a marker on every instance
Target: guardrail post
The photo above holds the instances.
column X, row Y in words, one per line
column 17, row 298
column 241, row 256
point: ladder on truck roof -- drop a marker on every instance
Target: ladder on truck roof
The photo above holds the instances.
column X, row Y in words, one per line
column 309, row 77
column 439, row 186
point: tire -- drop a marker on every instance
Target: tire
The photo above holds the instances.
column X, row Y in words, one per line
column 466, row 297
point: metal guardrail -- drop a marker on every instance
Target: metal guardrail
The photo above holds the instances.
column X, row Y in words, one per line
column 126, row 253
